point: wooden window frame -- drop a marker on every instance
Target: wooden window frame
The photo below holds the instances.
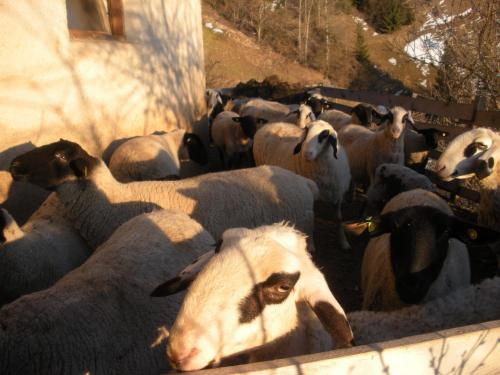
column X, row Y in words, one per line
column 116, row 23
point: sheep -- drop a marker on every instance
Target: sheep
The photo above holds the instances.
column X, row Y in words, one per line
column 321, row 159
column 470, row 305
column 98, row 204
column 99, row 318
column 367, row 149
column 233, row 135
column 277, row 112
column 156, row 156
column 476, row 152
column 419, row 252
column 390, row 180
column 318, row 104
column 33, row 257
column 361, row 114
column 277, row 304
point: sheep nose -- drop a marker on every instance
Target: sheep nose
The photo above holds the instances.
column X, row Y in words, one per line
column 440, row 168
column 177, row 359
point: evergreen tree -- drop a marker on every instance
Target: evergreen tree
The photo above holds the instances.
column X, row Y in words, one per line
column 361, row 49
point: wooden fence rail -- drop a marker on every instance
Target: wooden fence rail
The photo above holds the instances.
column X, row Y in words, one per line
column 471, row 114
column 465, row 116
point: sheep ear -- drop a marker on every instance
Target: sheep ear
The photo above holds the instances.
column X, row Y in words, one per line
column 333, row 142
column 315, row 291
column 297, row 148
column 473, row 234
column 236, row 119
column 184, row 279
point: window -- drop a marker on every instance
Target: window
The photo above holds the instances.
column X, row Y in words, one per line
column 95, row 18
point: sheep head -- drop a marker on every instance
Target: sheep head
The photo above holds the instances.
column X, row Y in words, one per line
column 51, row 165
column 317, row 138
column 460, row 159
column 247, row 296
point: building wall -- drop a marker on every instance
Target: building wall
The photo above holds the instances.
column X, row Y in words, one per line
column 95, row 91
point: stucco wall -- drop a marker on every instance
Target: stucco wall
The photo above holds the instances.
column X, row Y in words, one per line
column 94, row 91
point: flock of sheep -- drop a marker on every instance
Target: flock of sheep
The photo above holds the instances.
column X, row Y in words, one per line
column 96, row 280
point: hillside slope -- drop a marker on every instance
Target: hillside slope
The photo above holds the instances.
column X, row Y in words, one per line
column 232, row 57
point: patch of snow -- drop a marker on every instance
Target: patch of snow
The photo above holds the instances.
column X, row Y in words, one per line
column 441, row 2
column 423, row 83
column 374, row 33
column 433, row 21
column 218, row 31
column 393, row 61
column 365, row 28
column 425, row 70
column 359, row 21
column 209, row 25
column 426, row 48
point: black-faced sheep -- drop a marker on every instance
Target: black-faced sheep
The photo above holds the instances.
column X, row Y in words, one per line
column 233, row 135
column 97, row 204
column 419, row 251
column 156, row 156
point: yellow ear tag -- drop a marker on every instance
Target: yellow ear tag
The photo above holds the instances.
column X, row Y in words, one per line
column 371, row 225
column 472, row 233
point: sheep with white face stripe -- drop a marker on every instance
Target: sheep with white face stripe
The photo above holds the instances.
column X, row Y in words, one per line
column 476, row 152
column 277, row 305
column 313, row 152
column 368, row 149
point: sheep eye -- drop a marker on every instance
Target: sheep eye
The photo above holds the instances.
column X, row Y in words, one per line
column 473, row 147
column 284, row 288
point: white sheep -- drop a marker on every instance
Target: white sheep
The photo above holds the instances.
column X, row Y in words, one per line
column 99, row 318
column 470, row 305
column 419, row 252
column 156, row 156
column 97, row 204
column 368, row 149
column 277, row 304
column 277, row 112
column 390, row 180
column 314, row 153
column 36, row 255
column 476, row 152
column 233, row 135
